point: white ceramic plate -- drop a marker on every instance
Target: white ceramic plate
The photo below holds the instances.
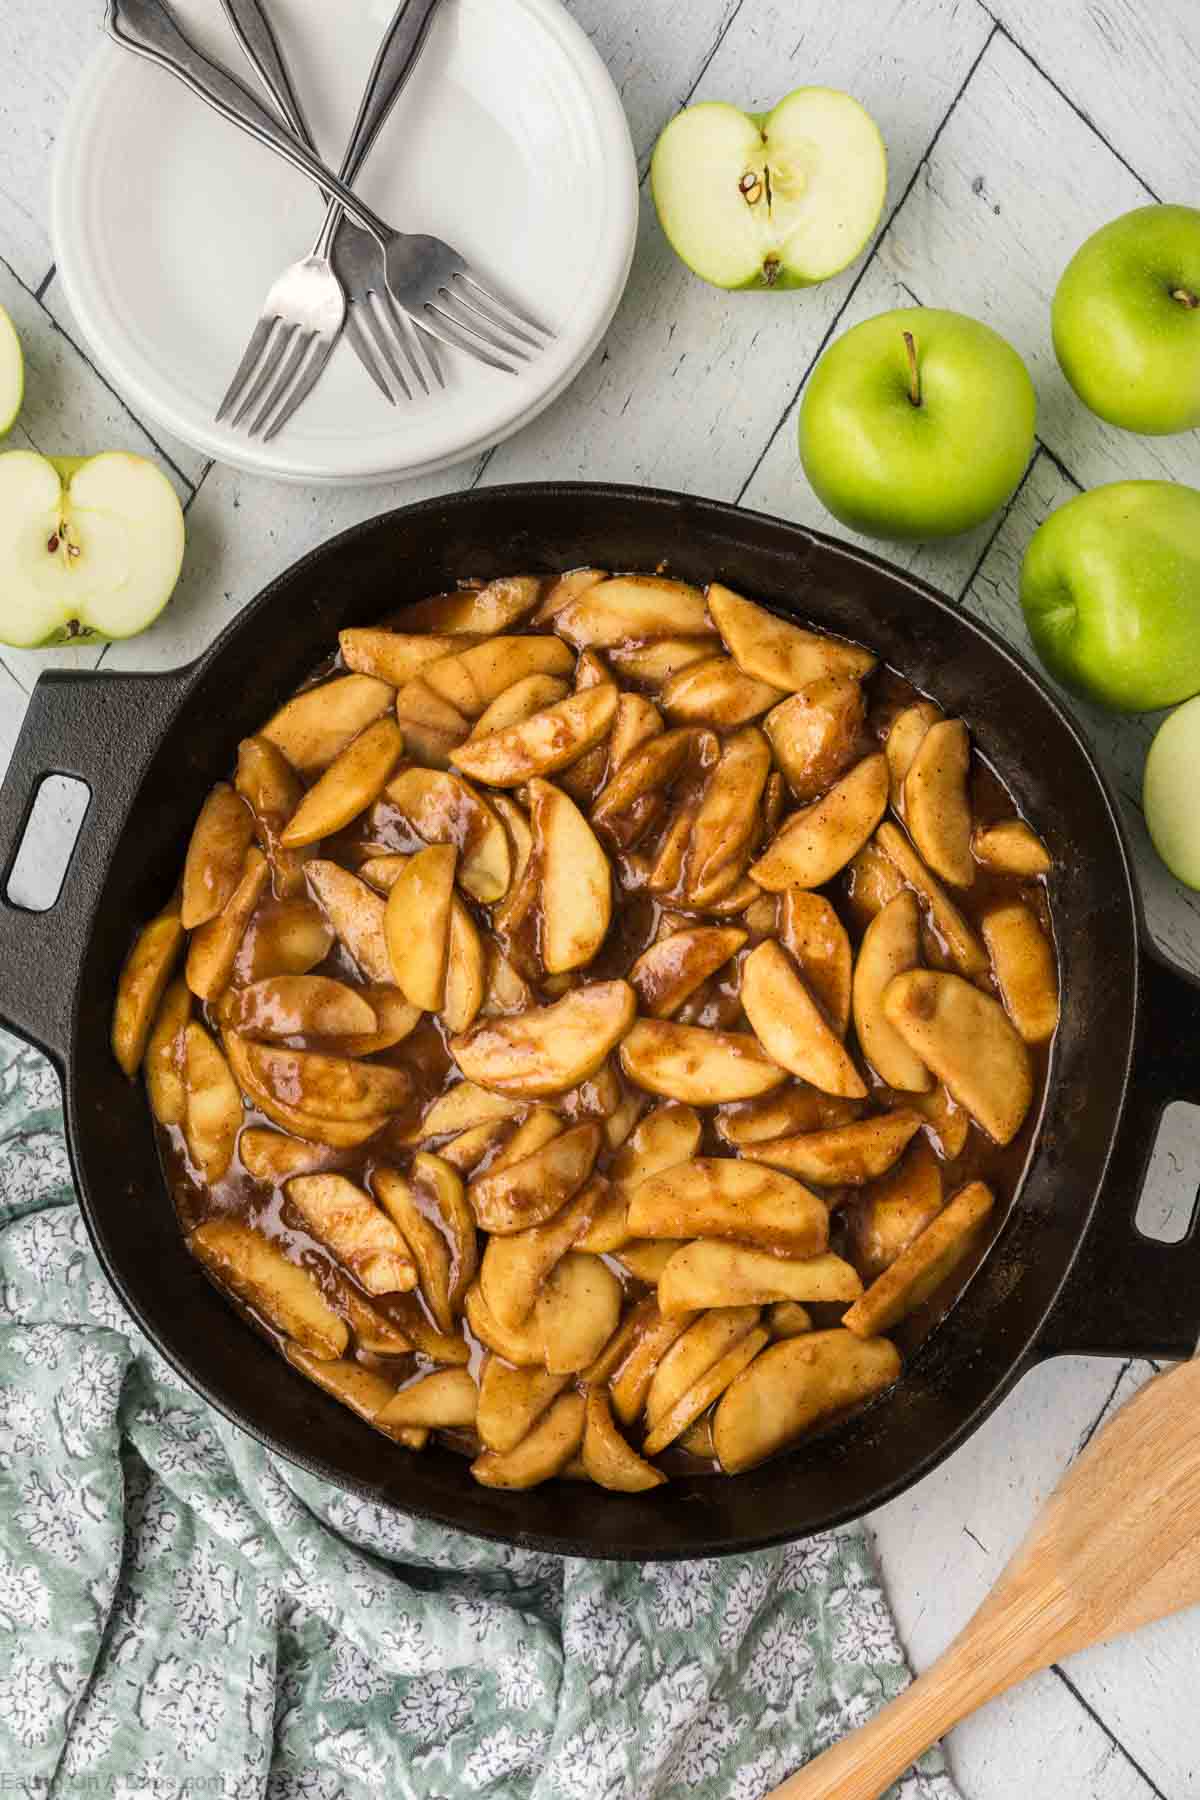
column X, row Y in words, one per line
column 169, row 226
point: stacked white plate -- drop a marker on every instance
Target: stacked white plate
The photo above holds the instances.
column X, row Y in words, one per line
column 509, row 141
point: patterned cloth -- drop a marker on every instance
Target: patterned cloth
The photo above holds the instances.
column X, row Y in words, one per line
column 182, row 1613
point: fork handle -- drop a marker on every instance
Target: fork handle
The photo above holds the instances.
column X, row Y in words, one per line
column 393, row 64
column 149, row 29
column 252, row 29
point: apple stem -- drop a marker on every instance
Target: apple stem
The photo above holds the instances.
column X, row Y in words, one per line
column 914, row 374
column 1185, row 297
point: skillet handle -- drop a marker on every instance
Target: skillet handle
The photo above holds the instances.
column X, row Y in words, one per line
column 102, row 729
column 1130, row 1295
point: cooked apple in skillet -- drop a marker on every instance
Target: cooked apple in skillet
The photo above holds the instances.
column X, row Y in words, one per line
column 598, row 1026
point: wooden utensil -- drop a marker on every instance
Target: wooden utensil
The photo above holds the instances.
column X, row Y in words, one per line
column 1116, row 1545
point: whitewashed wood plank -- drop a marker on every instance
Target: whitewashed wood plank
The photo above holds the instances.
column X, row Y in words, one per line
column 1132, row 69
column 243, row 531
column 1120, row 741
column 42, row 51
column 1039, row 1742
column 691, row 381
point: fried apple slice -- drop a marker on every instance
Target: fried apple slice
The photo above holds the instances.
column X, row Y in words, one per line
column 521, row 1346
column 947, row 1124
column 623, row 1118
column 214, row 946
column 499, row 606
column 668, row 1135
column 259, row 1273
column 143, row 982
column 787, row 1318
column 697, row 1066
column 533, row 693
column 814, row 843
column 585, row 777
column 466, row 1151
column 1010, row 847
column 815, row 937
column 717, row 693
column 447, row 1397
column 791, row 1027
column 937, row 805
column 576, row 884
column 472, row 678
column 727, row 818
column 891, row 944
column 576, row 1313
column 533, row 1190
column 374, row 1331
column 892, row 1211
column 442, row 808
column 1023, row 961
column 432, row 728
column 463, row 995
column 630, row 1360
column 531, row 1134
column 561, row 591
column 550, row 740
column 871, row 879
column 666, row 974
column 542, row 1453
column 356, row 914
column 285, row 937
column 441, row 1192
column 793, row 1386
column 706, row 1273
column 353, row 781
column 338, row 1133
column 216, row 854
column 635, row 722
column 318, row 724
column 627, row 608
column 646, row 1258
column 904, row 738
column 359, row 1234
column 285, row 1006
column 817, row 732
column 272, row 790
column 962, row 944
column 335, row 1087
column 364, row 1390
column 274, row 1157
column 416, row 925
column 427, row 1241
column 923, row 1265
column 213, row 1116
column 774, row 795
column 659, row 660
column 846, row 1155
column 789, row 1110
column 549, row 1048
column 511, row 1401
column 393, row 656
column 164, row 1054
column 635, row 797
column 514, row 1268
column 405, row 1311
column 607, row 1458
column 773, row 650
column 608, row 1227
column 968, row 1041
column 688, row 1408
column 463, row 1107
column 722, row 1198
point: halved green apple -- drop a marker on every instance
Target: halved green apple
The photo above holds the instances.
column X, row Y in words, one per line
column 12, row 373
column 90, row 547
column 781, row 199
column 1169, row 792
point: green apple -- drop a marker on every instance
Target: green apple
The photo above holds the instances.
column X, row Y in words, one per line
column 1170, row 794
column 90, row 547
column 780, row 199
column 1110, row 586
column 1126, row 320
column 12, row 373
column 917, row 424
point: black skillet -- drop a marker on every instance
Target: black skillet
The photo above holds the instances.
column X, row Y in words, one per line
column 1069, row 1270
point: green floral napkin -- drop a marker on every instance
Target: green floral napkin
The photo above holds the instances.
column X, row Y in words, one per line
column 182, row 1613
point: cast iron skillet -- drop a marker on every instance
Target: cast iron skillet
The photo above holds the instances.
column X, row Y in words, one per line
column 1069, row 1270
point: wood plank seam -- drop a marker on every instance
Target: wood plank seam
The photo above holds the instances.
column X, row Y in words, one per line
column 1092, row 1429
column 868, row 261
column 1097, row 1720
column 44, row 283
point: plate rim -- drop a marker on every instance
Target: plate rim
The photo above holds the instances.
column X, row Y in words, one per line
column 150, row 400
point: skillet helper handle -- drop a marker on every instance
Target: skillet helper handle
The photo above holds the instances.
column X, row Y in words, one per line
column 102, row 730
column 1130, row 1295
column 149, row 29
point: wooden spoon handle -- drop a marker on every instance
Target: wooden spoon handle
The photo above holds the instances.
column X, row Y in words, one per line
column 865, row 1764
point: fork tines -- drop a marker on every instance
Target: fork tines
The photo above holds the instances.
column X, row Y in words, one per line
column 471, row 318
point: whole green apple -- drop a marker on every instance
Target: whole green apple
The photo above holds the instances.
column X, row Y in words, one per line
column 1110, row 586
column 1126, row 320
column 771, row 200
column 917, row 424
column 1169, row 795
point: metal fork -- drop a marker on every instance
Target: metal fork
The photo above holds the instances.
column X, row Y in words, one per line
column 426, row 278
column 331, row 288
